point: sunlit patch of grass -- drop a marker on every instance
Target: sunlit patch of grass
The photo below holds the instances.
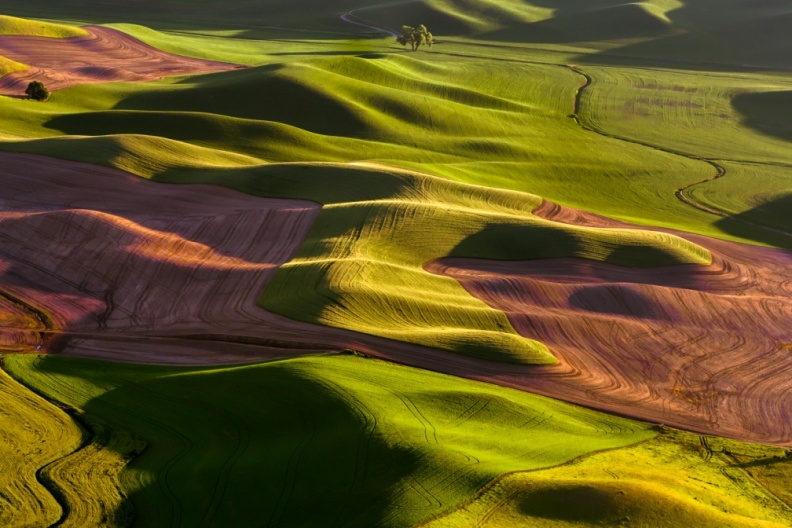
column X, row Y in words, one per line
column 10, row 25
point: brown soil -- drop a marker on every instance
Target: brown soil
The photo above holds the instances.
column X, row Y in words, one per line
column 126, row 269
column 118, row 257
column 104, row 55
column 132, row 270
column 702, row 348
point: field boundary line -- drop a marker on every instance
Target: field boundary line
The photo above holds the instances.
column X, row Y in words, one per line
column 680, row 193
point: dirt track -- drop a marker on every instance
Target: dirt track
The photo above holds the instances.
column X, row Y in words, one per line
column 105, row 55
column 703, row 348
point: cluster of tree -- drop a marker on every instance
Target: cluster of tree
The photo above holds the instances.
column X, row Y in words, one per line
column 37, row 91
column 415, row 37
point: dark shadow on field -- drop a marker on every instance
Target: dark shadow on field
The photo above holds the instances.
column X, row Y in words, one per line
column 639, row 256
column 246, row 446
column 185, row 121
column 505, row 241
column 730, row 35
column 766, row 112
column 517, row 242
column 200, row 113
column 765, row 223
column 616, row 299
column 324, row 184
column 571, row 503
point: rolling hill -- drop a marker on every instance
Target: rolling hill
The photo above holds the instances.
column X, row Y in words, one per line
column 254, row 257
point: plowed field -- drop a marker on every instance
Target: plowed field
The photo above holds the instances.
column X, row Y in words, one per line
column 706, row 348
column 104, row 55
column 112, row 258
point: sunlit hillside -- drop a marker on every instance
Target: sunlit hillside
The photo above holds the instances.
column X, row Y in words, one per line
column 262, row 264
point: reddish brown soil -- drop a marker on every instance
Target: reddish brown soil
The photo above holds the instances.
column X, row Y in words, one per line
column 104, row 55
column 133, row 270
column 111, row 258
column 703, row 348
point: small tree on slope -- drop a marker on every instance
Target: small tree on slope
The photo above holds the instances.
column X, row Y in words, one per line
column 36, row 90
column 415, row 37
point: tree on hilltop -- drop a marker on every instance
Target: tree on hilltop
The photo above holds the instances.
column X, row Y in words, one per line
column 415, row 37
column 37, row 91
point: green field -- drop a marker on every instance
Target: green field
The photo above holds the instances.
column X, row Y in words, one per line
column 633, row 486
column 662, row 113
column 364, row 442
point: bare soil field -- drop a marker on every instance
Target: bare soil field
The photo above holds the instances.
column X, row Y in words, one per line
column 111, row 258
column 702, row 348
column 130, row 270
column 105, row 55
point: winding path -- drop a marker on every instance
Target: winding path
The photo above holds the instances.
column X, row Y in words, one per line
column 681, row 194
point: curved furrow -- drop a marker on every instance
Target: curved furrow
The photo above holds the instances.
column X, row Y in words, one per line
column 123, row 256
column 49, row 434
column 699, row 347
column 84, row 478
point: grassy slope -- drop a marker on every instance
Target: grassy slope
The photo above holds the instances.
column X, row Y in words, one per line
column 361, row 267
column 667, row 482
column 731, row 32
column 36, row 28
column 479, row 121
column 548, row 154
column 735, row 120
column 364, row 442
column 689, row 112
column 8, row 66
column 494, row 126
column 454, row 17
column 249, row 49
